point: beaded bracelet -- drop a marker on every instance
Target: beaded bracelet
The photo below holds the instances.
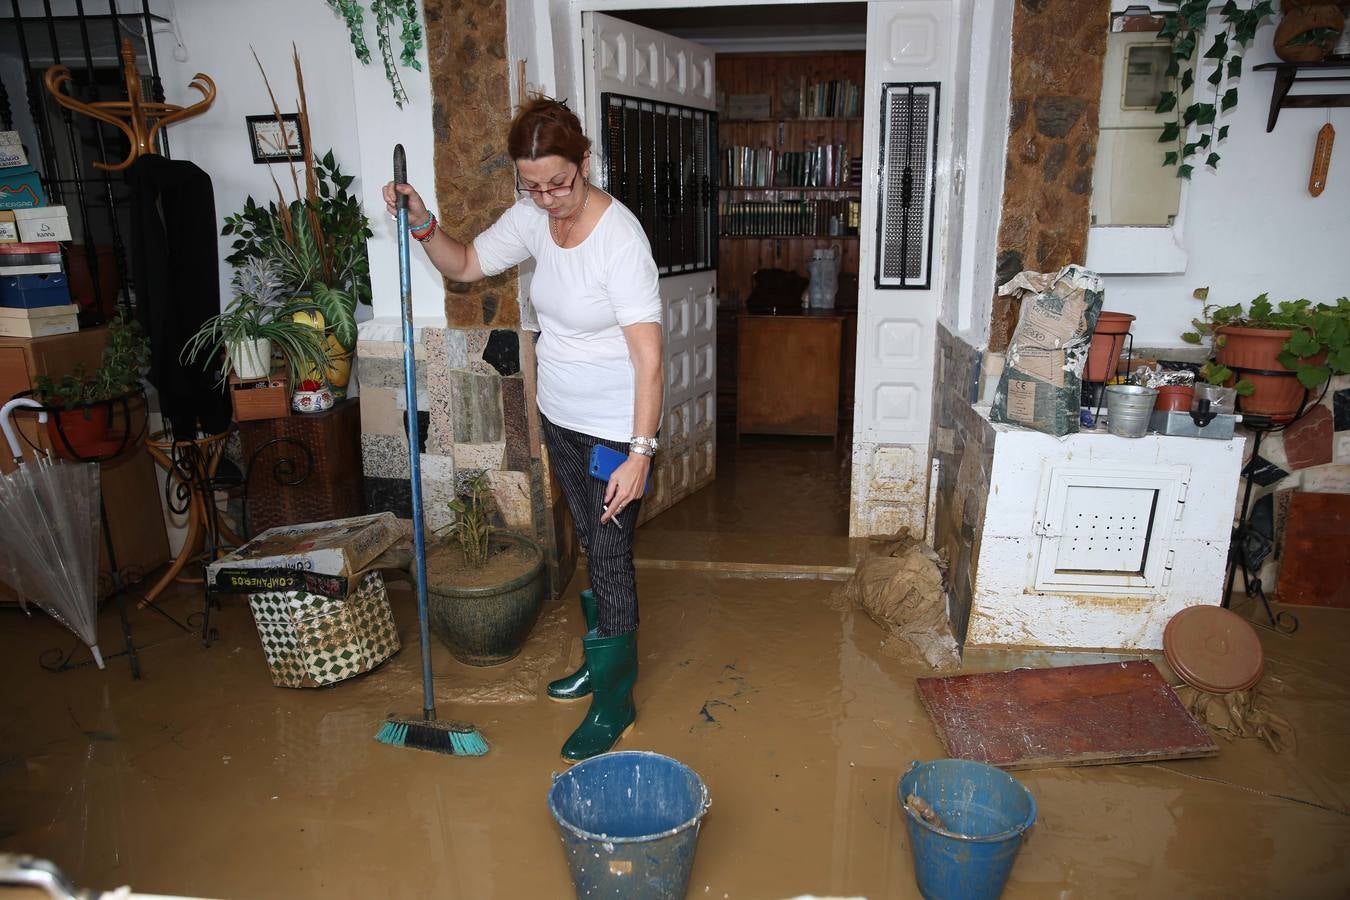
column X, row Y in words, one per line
column 426, row 232
column 430, row 216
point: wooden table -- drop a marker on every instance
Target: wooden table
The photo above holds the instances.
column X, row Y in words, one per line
column 788, row 373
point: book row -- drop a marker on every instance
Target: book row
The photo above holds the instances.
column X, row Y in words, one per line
column 785, row 218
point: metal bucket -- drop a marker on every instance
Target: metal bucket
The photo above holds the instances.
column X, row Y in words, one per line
column 1128, row 409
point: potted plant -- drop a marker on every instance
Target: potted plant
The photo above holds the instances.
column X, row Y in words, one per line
column 98, row 415
column 317, row 242
column 1253, row 347
column 485, row 585
column 257, row 322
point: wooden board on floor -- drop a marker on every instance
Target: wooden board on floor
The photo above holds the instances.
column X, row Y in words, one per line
column 1070, row 716
column 1315, row 560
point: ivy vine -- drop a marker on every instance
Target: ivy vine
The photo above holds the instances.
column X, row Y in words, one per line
column 1193, row 128
column 387, row 14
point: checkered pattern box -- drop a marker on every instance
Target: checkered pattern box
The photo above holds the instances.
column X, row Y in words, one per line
column 312, row 639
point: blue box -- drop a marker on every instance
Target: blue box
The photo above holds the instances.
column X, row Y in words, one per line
column 20, row 188
column 34, row 291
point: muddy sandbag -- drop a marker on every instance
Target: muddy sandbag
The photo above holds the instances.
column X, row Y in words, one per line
column 1041, row 385
column 1240, row 714
column 901, row 589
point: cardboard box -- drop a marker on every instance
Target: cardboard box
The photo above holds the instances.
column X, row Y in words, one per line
column 30, row 258
column 11, row 150
column 43, row 223
column 67, row 323
column 9, row 227
column 40, row 312
column 34, row 291
column 311, row 638
column 20, row 188
column 339, row 547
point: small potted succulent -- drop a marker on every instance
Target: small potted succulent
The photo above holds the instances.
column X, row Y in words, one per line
column 1254, row 346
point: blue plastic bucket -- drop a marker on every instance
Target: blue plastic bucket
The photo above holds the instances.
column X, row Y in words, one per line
column 982, row 813
column 629, row 823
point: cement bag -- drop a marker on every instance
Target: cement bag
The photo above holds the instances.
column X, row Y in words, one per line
column 1042, row 379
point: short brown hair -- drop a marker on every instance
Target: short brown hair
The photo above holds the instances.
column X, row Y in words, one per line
column 545, row 127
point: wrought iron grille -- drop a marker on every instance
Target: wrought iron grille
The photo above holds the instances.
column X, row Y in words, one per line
column 906, row 196
column 660, row 163
column 62, row 146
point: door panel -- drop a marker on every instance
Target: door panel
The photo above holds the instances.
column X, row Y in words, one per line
column 637, row 62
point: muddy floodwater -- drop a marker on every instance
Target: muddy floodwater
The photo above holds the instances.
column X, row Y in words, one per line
column 205, row 780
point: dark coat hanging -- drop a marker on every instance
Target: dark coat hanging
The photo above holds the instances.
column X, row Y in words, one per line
column 174, row 258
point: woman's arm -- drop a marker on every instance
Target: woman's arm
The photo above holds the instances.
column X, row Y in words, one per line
column 630, row 480
column 456, row 261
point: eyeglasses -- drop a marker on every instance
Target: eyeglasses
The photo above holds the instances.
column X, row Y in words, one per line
column 557, row 193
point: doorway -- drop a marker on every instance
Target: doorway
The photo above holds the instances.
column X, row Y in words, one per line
column 786, row 186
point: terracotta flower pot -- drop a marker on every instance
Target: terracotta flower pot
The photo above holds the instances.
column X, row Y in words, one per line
column 1250, row 352
column 1175, row 398
column 1301, row 20
column 1108, row 339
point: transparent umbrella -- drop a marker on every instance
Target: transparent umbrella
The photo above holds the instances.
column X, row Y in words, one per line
column 49, row 514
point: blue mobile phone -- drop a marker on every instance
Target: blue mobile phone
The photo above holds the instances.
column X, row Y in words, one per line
column 604, row 461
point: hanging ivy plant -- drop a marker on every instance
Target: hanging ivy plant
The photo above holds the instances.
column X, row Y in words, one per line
column 1193, row 128
column 387, row 14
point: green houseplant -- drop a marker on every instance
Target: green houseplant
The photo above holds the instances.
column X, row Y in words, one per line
column 94, row 411
column 485, row 585
column 256, row 322
column 317, row 242
column 1311, row 341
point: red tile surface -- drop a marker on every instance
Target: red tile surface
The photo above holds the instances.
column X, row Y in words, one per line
column 1308, row 441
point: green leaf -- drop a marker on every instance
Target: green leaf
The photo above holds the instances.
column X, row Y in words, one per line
column 1200, row 293
column 1191, row 337
column 1167, row 101
column 1188, row 150
column 1205, row 115
column 1170, row 132
column 1261, row 308
column 1218, row 49
column 1301, row 344
column 1216, row 76
column 1223, row 132
column 1234, row 66
column 1245, row 388
column 1313, row 376
column 1173, row 68
column 1170, row 158
column 1230, row 99
column 1230, row 9
column 1185, row 171
column 1169, row 27
column 328, row 159
column 1212, row 161
column 1204, row 140
column 1187, row 79
column 1188, row 116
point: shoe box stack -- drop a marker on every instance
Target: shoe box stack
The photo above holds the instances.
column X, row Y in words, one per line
column 34, row 293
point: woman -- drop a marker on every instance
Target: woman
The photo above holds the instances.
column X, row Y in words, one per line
column 599, row 376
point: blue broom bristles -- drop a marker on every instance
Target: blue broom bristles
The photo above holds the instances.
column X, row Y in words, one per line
column 452, row 738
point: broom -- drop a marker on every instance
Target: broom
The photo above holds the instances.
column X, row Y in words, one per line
column 428, row 732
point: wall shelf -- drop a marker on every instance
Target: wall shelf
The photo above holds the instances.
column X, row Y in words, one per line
column 789, row 237
column 1289, row 74
column 793, row 187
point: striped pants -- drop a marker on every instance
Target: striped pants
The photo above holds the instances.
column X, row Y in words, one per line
column 609, row 547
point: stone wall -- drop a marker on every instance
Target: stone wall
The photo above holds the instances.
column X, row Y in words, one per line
column 1059, row 47
column 963, row 444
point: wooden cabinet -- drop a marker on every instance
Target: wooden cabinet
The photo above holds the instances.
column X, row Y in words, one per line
column 304, row 468
column 789, row 373
column 130, row 490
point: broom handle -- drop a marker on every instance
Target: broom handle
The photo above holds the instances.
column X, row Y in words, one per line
column 414, row 431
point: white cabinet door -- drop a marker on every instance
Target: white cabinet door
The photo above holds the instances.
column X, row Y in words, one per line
column 622, row 58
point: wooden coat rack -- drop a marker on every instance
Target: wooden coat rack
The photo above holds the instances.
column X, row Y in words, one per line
column 139, row 120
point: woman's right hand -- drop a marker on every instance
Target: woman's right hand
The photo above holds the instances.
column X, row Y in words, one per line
column 417, row 210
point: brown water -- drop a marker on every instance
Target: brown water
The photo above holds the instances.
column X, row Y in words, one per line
column 205, row 780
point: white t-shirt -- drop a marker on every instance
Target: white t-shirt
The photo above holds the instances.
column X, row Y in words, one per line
column 583, row 296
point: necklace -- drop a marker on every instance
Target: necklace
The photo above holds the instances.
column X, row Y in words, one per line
column 586, row 198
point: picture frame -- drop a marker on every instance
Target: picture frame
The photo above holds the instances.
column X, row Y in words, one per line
column 263, row 137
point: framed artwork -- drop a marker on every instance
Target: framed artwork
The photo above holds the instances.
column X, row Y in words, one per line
column 275, row 142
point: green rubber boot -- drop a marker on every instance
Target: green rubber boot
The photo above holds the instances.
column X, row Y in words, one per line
column 578, row 684
column 613, row 664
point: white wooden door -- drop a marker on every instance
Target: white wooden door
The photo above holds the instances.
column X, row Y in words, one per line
column 622, row 58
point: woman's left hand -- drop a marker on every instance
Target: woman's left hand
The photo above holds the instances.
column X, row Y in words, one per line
column 627, row 484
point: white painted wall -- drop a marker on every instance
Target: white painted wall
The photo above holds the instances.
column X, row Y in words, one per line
column 1250, row 227
column 351, row 111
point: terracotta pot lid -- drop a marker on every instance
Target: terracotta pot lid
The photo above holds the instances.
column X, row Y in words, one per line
column 1213, row 649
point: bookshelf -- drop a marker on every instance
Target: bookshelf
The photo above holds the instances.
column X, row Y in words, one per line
column 790, row 184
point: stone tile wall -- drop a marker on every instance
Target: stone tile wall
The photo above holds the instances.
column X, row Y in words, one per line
column 963, row 444
column 1059, row 47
